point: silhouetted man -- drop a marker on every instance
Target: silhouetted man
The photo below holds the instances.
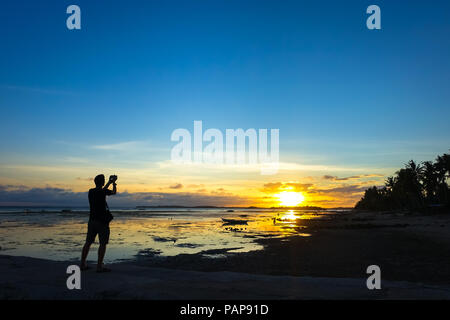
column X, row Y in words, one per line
column 98, row 220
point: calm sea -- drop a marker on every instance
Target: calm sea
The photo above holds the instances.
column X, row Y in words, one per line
column 59, row 233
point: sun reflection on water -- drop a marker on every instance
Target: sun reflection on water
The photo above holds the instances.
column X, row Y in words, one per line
column 60, row 237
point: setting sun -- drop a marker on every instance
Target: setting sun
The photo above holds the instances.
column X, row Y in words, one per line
column 290, row 199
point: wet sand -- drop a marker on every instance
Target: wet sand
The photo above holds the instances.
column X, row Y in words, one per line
column 407, row 248
column 413, row 253
column 30, row 278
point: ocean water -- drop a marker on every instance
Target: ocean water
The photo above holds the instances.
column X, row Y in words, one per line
column 59, row 233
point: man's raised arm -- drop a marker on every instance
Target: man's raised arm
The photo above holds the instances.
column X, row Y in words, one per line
column 112, row 180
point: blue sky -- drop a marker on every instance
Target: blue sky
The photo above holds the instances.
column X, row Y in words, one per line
column 341, row 95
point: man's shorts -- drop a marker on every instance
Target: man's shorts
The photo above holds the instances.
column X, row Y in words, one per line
column 97, row 227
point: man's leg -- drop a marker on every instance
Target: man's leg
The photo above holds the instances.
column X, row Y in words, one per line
column 101, row 255
column 90, row 238
column 103, row 236
column 84, row 254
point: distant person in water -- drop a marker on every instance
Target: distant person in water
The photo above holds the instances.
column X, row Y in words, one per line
column 99, row 219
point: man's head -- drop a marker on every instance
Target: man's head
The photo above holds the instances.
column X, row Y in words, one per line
column 99, row 180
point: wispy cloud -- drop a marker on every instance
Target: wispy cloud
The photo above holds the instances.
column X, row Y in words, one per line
column 84, row 179
column 142, row 147
column 246, row 167
column 349, row 189
column 37, row 90
column 273, row 187
column 121, row 146
column 336, row 178
column 76, row 160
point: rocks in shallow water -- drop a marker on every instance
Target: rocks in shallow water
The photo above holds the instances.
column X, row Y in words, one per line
column 163, row 239
column 147, row 253
column 188, row 245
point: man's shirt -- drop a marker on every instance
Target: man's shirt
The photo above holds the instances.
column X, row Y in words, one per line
column 97, row 203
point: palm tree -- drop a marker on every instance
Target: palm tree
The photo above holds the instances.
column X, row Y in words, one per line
column 390, row 183
column 415, row 168
column 429, row 179
column 443, row 167
column 443, row 173
column 412, row 187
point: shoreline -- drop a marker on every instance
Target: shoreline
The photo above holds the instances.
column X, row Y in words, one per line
column 406, row 247
column 411, row 250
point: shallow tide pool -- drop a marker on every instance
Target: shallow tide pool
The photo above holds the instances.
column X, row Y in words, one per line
column 60, row 235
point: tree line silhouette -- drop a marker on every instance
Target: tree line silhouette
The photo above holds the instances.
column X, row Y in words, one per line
column 418, row 187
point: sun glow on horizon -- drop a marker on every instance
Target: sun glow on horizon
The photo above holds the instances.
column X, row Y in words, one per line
column 289, row 198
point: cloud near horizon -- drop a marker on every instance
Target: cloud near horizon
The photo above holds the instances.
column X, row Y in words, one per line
column 336, row 178
column 273, row 187
column 49, row 196
column 334, row 193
